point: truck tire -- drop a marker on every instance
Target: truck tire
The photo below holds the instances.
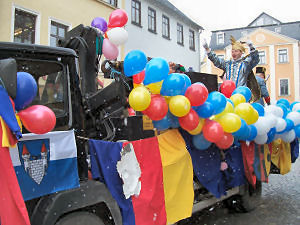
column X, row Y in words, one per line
column 80, row 218
column 247, row 201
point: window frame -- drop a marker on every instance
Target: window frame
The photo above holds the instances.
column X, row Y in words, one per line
column 165, row 25
column 260, row 63
column 223, row 38
column 67, row 27
column 152, row 18
column 278, row 55
column 180, row 34
column 288, row 87
column 192, row 46
column 114, row 4
column 139, row 10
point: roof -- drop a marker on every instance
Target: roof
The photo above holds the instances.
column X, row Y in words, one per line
column 263, row 14
column 170, row 6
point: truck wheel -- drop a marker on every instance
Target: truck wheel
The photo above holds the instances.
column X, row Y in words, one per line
column 80, row 218
column 246, row 202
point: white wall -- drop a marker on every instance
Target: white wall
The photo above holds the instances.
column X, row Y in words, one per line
column 154, row 45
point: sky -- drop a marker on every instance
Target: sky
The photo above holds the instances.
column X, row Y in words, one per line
column 225, row 14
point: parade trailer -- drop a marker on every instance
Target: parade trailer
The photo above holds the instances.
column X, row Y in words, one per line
column 67, row 83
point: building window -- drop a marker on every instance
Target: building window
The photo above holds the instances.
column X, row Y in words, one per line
column 165, row 27
column 262, row 57
column 220, row 38
column 192, row 39
column 282, row 56
column 24, row 30
column 112, row 2
column 136, row 12
column 151, row 20
column 284, row 87
column 179, row 34
column 222, row 57
column 57, row 31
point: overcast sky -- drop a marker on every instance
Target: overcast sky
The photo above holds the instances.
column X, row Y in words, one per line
column 225, row 14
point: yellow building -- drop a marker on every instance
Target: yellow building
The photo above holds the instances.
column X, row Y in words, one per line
column 278, row 47
column 43, row 22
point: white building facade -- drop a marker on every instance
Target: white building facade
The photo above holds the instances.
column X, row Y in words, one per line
column 159, row 29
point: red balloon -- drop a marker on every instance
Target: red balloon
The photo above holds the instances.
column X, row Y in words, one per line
column 131, row 112
column 38, row 119
column 139, row 77
column 189, row 121
column 226, row 141
column 197, row 94
column 227, row 87
column 157, row 109
column 212, row 131
column 118, row 18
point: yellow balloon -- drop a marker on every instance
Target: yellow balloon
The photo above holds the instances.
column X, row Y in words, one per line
column 244, row 110
column 237, row 99
column 254, row 116
column 198, row 129
column 139, row 98
column 167, row 98
column 230, row 122
column 155, row 87
column 179, row 105
column 228, row 109
column 136, row 85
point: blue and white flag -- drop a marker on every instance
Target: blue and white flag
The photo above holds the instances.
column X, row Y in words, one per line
column 46, row 163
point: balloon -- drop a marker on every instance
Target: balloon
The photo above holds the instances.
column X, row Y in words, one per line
column 288, row 136
column 228, row 109
column 243, row 90
column 271, row 135
column 252, row 132
column 197, row 93
column 292, row 105
column 253, row 117
column 38, row 119
column 139, row 98
column 261, row 126
column 173, row 120
column 110, row 51
column 237, row 99
column 230, row 122
column 26, row 90
column 296, row 107
column 173, row 84
column 155, row 87
column 284, row 109
column 99, row 23
column 117, row 36
column 261, row 139
column 218, row 101
column 273, row 109
column 284, row 102
column 295, row 117
column 243, row 133
column 188, row 82
column 289, row 125
column 139, row 77
column 200, row 142
column 162, row 124
column 190, row 121
column 297, row 131
column 227, row 87
column 134, row 62
column 259, row 108
column 179, row 105
column 280, row 125
column 157, row 69
column 212, row 131
column 205, row 110
column 226, row 141
column 244, row 110
column 157, row 109
column 118, row 18
column 198, row 129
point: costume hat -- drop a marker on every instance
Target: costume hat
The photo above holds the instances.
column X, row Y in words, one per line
column 236, row 45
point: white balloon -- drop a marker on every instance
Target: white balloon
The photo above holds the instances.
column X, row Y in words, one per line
column 261, row 125
column 280, row 125
column 295, row 117
column 271, row 120
column 274, row 110
column 296, row 107
column 117, row 35
column 261, row 139
column 288, row 136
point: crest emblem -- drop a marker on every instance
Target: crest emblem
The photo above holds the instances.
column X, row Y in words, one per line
column 34, row 156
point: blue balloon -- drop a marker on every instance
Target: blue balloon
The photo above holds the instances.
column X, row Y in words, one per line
column 218, row 101
column 174, row 84
column 134, row 62
column 243, row 133
column 289, row 126
column 271, row 135
column 259, row 108
column 292, row 105
column 297, row 131
column 162, row 124
column 26, row 90
column 229, row 100
column 284, row 109
column 243, row 90
column 205, row 110
column 252, row 132
column 174, row 122
column 157, row 69
column 200, row 142
column 188, row 82
column 283, row 101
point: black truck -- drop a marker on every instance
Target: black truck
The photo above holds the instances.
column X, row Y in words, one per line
column 67, row 83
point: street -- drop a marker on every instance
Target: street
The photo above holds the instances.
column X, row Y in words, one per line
column 279, row 205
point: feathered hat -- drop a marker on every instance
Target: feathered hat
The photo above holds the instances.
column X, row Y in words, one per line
column 236, row 45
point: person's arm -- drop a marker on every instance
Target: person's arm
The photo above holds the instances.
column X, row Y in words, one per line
column 253, row 58
column 220, row 63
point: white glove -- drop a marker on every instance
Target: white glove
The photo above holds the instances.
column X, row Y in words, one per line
column 205, row 45
column 250, row 44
